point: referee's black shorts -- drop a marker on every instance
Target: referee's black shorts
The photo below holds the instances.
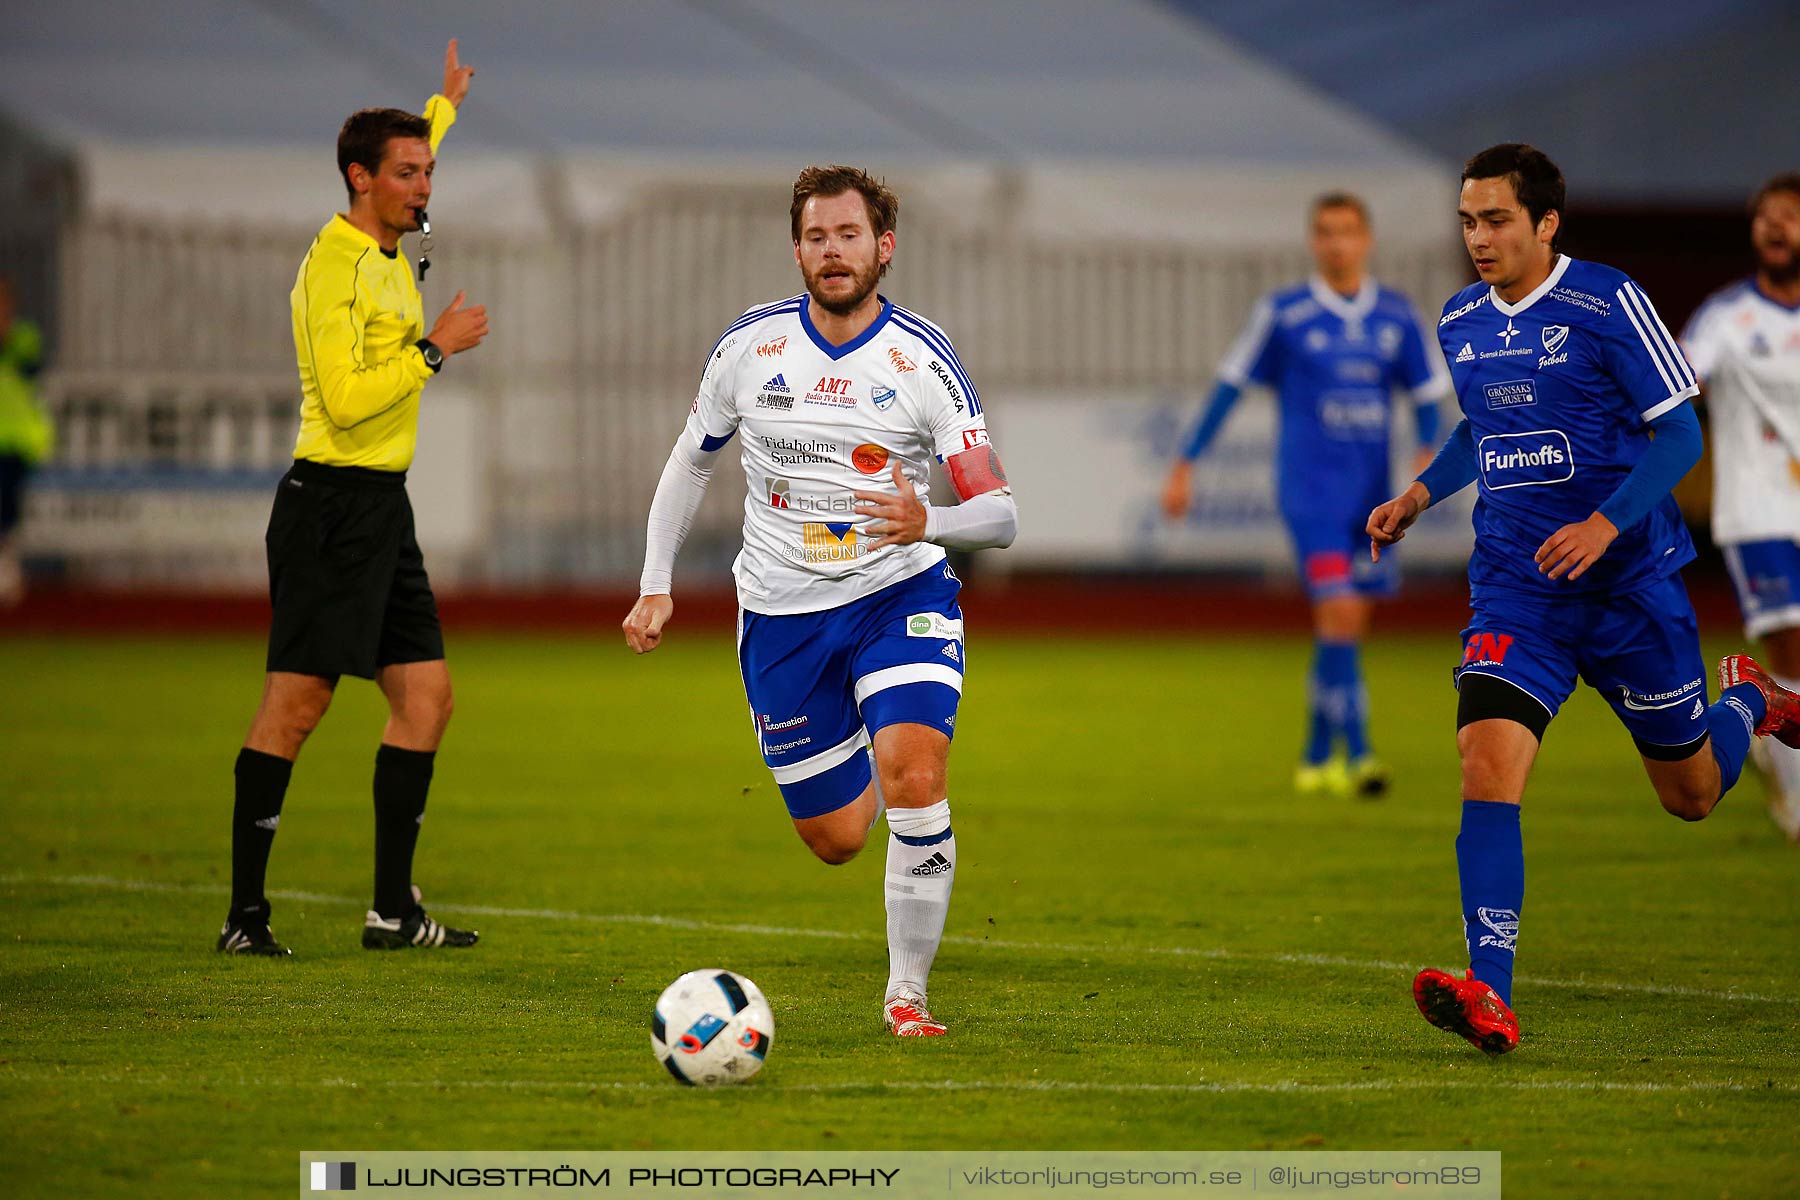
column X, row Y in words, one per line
column 13, row 472
column 346, row 579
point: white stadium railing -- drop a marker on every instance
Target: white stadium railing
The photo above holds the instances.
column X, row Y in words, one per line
column 175, row 396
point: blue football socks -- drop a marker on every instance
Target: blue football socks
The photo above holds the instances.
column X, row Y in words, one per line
column 1319, row 725
column 1732, row 722
column 1335, row 700
column 1490, row 857
column 1346, row 668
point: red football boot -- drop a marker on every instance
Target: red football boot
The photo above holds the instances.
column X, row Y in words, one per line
column 1783, row 719
column 1467, row 1007
column 905, row 1016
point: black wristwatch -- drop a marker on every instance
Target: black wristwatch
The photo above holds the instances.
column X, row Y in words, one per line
column 434, row 358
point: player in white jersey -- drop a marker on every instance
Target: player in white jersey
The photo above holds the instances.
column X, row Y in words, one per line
column 1744, row 344
column 850, row 639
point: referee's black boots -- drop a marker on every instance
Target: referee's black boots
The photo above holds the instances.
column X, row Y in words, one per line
column 246, row 931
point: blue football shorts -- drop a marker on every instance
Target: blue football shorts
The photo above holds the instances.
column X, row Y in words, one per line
column 1640, row 650
column 1767, row 578
column 822, row 684
column 1333, row 554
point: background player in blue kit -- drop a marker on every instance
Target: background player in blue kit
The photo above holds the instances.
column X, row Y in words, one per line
column 1576, row 425
column 1335, row 349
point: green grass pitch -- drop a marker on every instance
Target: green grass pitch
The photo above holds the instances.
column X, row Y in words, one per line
column 1153, row 943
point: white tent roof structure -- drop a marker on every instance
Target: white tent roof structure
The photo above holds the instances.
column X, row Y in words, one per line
column 1124, row 118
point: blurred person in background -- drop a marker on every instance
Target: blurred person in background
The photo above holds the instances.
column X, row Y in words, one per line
column 346, row 580
column 26, row 435
column 1336, row 349
column 1744, row 344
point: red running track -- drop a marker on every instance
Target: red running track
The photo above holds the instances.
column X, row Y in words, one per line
column 1068, row 606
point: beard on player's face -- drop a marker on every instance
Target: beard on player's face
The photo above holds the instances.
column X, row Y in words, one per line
column 1779, row 259
column 842, row 300
column 1775, row 236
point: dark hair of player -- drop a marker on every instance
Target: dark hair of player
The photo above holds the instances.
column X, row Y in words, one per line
column 835, row 180
column 1340, row 200
column 1536, row 181
column 364, row 138
column 1787, row 181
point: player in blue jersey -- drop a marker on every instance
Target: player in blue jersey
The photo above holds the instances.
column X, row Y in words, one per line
column 1576, row 425
column 1335, row 349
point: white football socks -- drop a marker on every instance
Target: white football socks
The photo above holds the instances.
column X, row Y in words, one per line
column 920, row 872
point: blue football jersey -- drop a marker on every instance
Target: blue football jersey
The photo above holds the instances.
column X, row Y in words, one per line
column 1334, row 363
column 1558, row 390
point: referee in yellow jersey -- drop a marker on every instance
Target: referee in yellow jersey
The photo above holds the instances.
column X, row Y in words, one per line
column 346, row 580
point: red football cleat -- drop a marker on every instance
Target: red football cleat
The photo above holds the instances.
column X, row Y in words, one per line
column 1467, row 1007
column 905, row 1016
column 1783, row 719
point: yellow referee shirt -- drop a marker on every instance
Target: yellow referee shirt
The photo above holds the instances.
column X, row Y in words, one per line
column 357, row 313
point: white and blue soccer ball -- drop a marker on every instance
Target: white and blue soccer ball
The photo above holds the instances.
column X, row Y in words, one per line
column 712, row 1027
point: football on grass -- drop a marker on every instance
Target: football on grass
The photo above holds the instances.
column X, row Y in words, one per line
column 712, row 1027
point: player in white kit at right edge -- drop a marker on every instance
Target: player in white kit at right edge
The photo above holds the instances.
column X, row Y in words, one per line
column 1744, row 344
column 850, row 638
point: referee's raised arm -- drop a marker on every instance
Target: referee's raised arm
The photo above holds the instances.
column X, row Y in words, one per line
column 347, row 582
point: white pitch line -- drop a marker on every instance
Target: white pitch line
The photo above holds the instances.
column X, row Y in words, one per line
column 1077, row 948
column 1200, row 1087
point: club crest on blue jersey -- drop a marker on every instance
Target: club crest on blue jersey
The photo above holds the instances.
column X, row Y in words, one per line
column 1555, row 337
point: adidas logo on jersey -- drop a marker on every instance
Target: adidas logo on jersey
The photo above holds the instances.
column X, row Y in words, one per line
column 775, row 395
column 937, row 864
column 950, row 652
column 1466, row 354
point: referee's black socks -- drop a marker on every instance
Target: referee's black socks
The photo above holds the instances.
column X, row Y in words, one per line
column 402, row 778
column 262, row 781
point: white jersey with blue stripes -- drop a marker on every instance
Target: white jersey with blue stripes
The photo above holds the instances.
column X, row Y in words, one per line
column 816, row 422
column 1745, row 346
